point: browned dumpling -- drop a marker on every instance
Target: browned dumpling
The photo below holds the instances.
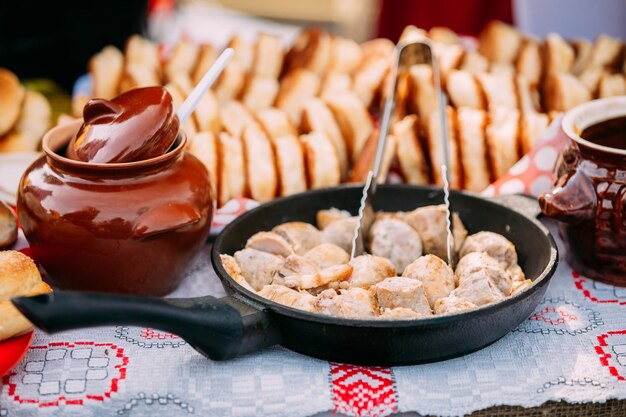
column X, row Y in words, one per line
column 230, row 265
column 270, row 242
column 517, row 275
column 519, row 286
column 397, row 292
column 436, row 276
column 326, row 217
column 332, row 274
column 395, row 240
column 494, row 244
column 354, row 303
column 452, row 304
column 301, row 236
column 327, row 254
column 369, row 270
column 341, row 233
column 399, row 313
column 430, row 223
column 479, row 289
column 301, row 300
column 257, row 267
column 294, row 265
column 483, row 264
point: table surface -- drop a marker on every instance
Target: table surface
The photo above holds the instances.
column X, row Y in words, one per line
column 571, row 350
column 567, row 359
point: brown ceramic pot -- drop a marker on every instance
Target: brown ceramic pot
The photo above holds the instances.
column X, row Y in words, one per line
column 122, row 227
column 589, row 195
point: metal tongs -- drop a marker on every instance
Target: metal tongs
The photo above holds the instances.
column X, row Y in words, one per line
column 406, row 54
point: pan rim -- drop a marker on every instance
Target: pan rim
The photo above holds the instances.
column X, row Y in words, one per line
column 262, row 303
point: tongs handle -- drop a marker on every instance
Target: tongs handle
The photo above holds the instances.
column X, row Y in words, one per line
column 385, row 121
column 445, row 174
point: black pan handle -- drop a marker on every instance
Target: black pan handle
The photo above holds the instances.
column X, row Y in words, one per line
column 524, row 204
column 217, row 328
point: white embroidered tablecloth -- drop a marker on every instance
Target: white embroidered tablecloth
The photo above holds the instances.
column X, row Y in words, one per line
column 573, row 348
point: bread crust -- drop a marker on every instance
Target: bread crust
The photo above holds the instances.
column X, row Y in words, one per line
column 559, row 54
column 435, row 149
column 502, row 138
column 296, row 88
column 275, row 122
column 317, row 116
column 353, row 120
column 182, row 59
column 321, row 160
column 268, row 56
column 232, row 172
column 11, row 97
column 290, row 164
column 311, row 50
column 234, row 117
column 499, row 42
column 18, row 277
column 203, row 145
column 259, row 92
column 106, row 71
column 345, row 55
column 33, row 122
column 410, row 155
column 8, row 225
column 368, row 79
column 260, row 167
column 471, row 125
column 206, row 57
column 464, row 90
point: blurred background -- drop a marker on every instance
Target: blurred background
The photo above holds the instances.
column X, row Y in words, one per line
column 56, row 39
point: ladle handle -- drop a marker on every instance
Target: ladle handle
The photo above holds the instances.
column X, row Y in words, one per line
column 190, row 103
column 212, row 326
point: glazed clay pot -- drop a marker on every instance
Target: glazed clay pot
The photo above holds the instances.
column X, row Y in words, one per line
column 121, row 227
column 589, row 195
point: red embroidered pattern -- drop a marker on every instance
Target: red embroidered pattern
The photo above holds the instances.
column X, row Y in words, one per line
column 119, row 374
column 605, row 356
column 363, row 391
column 548, row 315
column 149, row 333
column 581, row 284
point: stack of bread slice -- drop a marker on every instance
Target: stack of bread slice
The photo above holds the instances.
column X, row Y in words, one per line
column 281, row 120
column 24, row 115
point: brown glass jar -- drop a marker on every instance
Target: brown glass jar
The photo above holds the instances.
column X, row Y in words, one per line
column 589, row 195
column 121, row 227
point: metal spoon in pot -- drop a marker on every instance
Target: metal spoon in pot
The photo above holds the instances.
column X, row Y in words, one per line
column 190, row 103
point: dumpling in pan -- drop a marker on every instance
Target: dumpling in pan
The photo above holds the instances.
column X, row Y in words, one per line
column 395, row 240
column 301, row 236
column 481, row 262
column 494, row 244
column 478, row 290
column 327, row 254
column 355, row 303
column 340, row 232
column 301, row 300
column 452, row 304
column 430, row 223
column 436, row 276
column 257, row 267
column 369, row 270
column 402, row 292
